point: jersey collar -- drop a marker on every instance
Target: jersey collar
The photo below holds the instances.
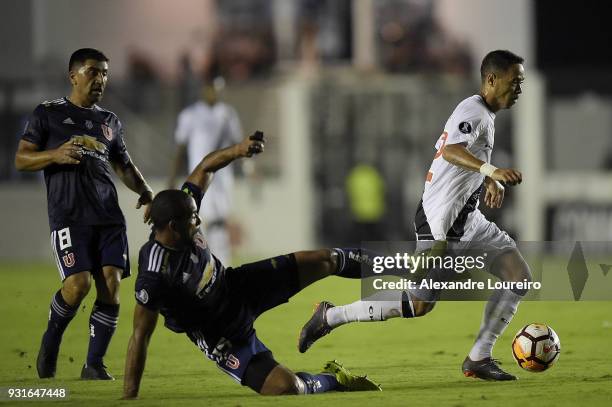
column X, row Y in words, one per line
column 484, row 102
column 89, row 109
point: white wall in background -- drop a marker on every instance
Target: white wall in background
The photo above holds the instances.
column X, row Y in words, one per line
column 161, row 28
column 491, row 24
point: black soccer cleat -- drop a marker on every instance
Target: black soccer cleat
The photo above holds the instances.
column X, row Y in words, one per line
column 46, row 362
column 316, row 327
column 486, row 369
column 95, row 373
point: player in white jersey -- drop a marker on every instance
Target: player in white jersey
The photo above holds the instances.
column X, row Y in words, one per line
column 448, row 188
column 448, row 219
column 203, row 127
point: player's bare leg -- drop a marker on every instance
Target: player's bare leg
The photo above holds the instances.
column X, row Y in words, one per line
column 498, row 313
column 342, row 262
column 102, row 322
column 76, row 287
column 282, row 381
column 313, row 265
column 64, row 306
column 107, row 284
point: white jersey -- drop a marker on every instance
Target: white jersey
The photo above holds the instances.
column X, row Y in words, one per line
column 451, row 193
column 204, row 128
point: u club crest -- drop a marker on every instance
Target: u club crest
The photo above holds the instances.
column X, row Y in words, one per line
column 107, row 131
column 68, row 259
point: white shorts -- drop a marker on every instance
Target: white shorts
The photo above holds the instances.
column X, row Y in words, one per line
column 218, row 240
column 480, row 236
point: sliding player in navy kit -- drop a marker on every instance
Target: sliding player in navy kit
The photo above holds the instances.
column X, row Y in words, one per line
column 215, row 306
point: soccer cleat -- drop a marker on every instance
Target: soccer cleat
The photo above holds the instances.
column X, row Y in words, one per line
column 46, row 363
column 349, row 381
column 485, row 369
column 316, row 327
column 95, row 373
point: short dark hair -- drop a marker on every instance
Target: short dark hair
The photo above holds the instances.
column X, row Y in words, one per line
column 498, row 61
column 81, row 55
column 169, row 205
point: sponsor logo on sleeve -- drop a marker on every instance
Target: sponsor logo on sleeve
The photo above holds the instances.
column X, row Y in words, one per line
column 465, row 127
column 142, row 296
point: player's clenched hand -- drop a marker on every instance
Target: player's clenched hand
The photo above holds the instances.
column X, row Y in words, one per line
column 221, row 351
column 494, row 193
column 70, row 152
column 252, row 145
column 508, row 176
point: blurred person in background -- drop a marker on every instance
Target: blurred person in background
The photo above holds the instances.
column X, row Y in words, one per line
column 144, row 85
column 189, row 84
column 365, row 187
column 203, row 127
column 76, row 143
column 411, row 39
column 244, row 45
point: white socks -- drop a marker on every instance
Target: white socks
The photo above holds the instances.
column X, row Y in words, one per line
column 497, row 315
column 378, row 307
column 383, row 305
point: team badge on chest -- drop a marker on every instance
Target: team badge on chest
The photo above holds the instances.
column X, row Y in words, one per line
column 88, row 124
column 107, row 131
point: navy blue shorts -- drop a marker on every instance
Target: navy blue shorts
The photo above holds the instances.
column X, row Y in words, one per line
column 261, row 285
column 89, row 248
column 265, row 284
column 237, row 357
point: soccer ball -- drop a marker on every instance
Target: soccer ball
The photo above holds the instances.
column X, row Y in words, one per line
column 536, row 347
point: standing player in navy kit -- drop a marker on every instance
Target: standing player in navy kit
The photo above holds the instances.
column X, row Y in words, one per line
column 76, row 143
column 216, row 307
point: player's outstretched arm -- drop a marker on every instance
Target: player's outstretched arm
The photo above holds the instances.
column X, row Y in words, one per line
column 459, row 155
column 144, row 325
column 29, row 157
column 177, row 164
column 203, row 173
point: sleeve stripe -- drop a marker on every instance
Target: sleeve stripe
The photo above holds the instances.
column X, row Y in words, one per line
column 155, row 258
column 56, row 256
column 158, row 262
column 151, row 255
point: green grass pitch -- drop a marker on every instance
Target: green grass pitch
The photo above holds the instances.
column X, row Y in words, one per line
column 417, row 361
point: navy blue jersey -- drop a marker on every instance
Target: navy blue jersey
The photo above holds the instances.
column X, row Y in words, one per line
column 192, row 289
column 82, row 194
